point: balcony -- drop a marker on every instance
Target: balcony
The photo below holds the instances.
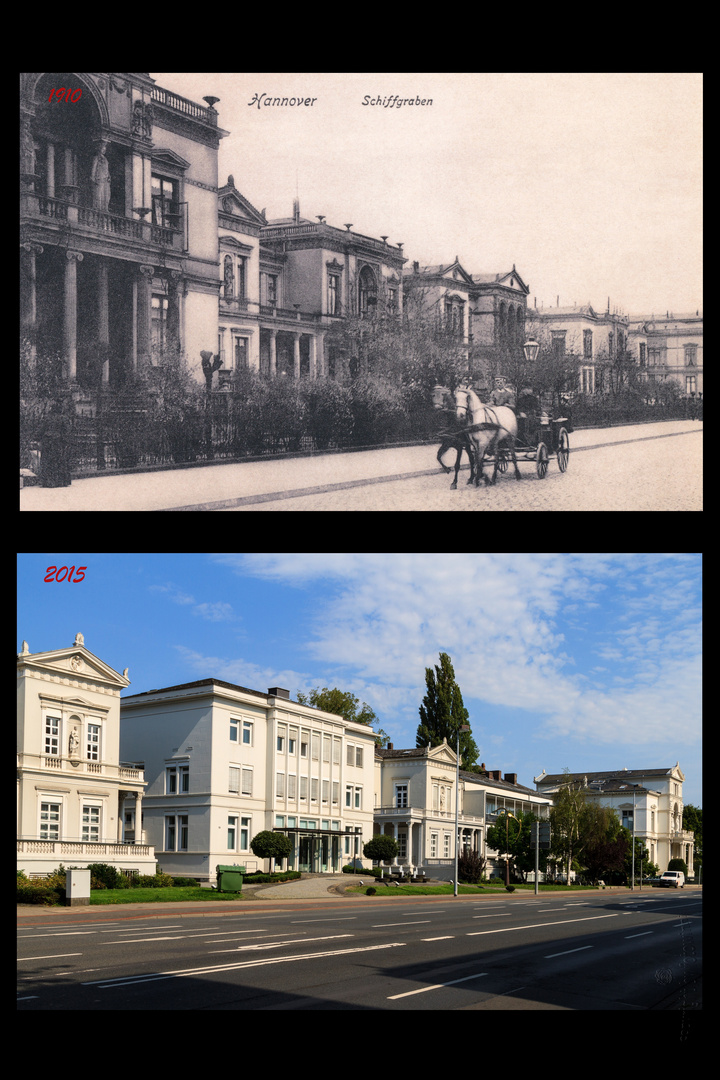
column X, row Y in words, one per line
column 418, row 813
column 61, row 214
column 97, row 851
column 126, row 773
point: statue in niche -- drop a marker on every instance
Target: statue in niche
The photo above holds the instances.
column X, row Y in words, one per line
column 74, row 743
column 100, row 177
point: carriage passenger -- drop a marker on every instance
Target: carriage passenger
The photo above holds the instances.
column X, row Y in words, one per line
column 528, row 410
column 502, row 394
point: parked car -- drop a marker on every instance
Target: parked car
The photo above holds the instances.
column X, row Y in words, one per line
column 673, row 879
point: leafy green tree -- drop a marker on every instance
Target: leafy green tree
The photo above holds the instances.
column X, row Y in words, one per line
column 442, row 713
column 566, row 821
column 271, row 845
column 381, row 848
column 692, row 820
column 607, row 843
column 346, row 705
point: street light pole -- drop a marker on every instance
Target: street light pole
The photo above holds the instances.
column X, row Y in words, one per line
column 463, row 727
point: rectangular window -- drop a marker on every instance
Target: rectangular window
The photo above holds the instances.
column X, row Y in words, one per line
column 247, row 733
column 177, row 779
column 247, row 781
column 241, row 353
column 333, row 294
column 433, row 845
column 52, row 735
column 280, row 786
column 234, row 731
column 234, row 781
column 91, row 824
column 49, row 821
column 93, row 742
column 232, row 833
column 176, row 833
column 158, row 328
column 245, row 833
column 401, row 795
column 165, row 209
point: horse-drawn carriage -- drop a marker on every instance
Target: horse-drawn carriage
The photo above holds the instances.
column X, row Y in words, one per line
column 489, row 433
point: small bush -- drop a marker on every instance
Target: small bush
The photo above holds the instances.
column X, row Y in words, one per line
column 47, row 890
column 370, row 891
column 510, row 888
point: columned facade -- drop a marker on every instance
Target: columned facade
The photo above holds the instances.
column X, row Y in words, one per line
column 78, row 803
column 114, row 183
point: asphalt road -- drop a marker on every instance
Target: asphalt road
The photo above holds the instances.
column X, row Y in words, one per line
column 651, row 474
column 568, row 952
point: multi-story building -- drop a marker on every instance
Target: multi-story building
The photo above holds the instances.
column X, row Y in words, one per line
column 596, row 338
column 670, row 348
column 119, row 238
column 485, row 311
column 650, row 797
column 287, row 281
column 225, row 762
column 415, row 792
column 78, row 803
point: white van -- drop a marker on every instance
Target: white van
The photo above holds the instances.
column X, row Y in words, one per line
column 673, row 878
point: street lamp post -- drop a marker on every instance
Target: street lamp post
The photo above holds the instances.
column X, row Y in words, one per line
column 463, row 727
column 508, row 814
column 531, row 349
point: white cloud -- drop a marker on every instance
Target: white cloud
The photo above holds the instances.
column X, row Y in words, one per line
column 213, row 612
column 381, row 619
column 242, row 672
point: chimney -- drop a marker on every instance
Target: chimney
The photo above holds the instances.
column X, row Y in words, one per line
column 511, row 777
column 390, row 746
column 277, row 691
column 496, row 774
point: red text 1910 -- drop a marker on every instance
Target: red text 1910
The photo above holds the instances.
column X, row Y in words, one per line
column 53, row 574
column 68, row 95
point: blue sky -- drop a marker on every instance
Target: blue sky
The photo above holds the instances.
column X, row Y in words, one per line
column 579, row 660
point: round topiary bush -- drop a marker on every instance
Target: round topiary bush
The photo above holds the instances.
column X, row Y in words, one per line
column 370, row 891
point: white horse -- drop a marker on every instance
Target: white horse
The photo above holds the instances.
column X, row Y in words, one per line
column 491, row 425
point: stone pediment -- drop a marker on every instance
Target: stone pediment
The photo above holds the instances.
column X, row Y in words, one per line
column 442, row 755
column 75, row 662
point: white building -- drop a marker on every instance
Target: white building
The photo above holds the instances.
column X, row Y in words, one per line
column 415, row 803
column 225, row 763
column 77, row 802
column 653, row 797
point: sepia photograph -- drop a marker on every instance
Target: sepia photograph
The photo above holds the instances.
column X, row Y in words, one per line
column 361, row 292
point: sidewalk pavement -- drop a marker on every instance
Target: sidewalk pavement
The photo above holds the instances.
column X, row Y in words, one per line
column 329, row 887
column 210, row 486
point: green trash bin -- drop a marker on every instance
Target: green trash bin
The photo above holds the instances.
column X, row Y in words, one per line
column 229, row 878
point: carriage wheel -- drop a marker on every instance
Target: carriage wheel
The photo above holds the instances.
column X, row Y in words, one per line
column 563, row 450
column 542, row 458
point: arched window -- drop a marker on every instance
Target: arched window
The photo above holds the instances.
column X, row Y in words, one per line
column 367, row 291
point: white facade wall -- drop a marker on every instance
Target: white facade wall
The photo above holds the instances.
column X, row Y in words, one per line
column 218, row 776
column 72, row 783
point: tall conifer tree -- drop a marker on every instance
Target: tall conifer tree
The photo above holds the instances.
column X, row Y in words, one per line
column 443, row 712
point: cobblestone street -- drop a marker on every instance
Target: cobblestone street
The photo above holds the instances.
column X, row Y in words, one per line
column 637, row 467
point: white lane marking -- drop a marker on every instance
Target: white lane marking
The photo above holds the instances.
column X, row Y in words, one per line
column 448, row 937
column 417, row 922
column 50, row 956
column 277, row 944
column 156, row 976
column 644, row 934
column 536, row 926
column 437, row 986
column 567, row 953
